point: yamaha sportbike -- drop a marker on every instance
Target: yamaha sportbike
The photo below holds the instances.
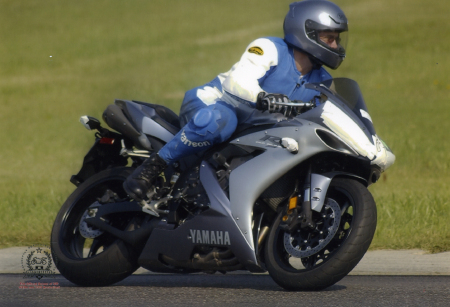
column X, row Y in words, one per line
column 287, row 194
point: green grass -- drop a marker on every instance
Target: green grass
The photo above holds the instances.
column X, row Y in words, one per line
column 401, row 63
column 156, row 50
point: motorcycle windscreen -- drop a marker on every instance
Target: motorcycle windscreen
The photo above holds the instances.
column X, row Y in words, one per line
column 348, row 92
column 347, row 129
column 351, row 121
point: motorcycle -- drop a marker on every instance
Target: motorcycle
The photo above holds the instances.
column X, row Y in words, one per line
column 286, row 194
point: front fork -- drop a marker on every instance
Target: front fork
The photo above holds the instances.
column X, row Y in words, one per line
column 299, row 211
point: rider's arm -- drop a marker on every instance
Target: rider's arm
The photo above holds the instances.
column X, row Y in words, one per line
column 243, row 79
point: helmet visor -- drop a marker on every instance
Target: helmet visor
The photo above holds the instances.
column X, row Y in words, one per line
column 334, row 39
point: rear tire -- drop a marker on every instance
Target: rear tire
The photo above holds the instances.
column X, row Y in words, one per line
column 109, row 260
column 337, row 258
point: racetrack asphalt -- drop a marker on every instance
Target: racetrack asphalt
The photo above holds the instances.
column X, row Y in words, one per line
column 378, row 262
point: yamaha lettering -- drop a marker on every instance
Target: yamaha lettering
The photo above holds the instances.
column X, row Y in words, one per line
column 210, row 237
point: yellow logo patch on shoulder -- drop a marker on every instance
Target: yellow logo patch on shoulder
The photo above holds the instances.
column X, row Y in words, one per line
column 256, row 50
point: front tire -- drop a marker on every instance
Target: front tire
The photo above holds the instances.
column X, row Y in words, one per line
column 102, row 260
column 332, row 263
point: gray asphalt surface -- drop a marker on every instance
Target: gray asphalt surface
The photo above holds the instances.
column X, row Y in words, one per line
column 382, row 278
column 227, row 290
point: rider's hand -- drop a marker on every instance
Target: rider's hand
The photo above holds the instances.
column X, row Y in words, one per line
column 265, row 100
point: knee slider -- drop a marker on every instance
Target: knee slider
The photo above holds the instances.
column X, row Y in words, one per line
column 203, row 118
column 215, row 122
column 206, row 122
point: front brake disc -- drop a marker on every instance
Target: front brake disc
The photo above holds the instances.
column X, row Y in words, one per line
column 305, row 243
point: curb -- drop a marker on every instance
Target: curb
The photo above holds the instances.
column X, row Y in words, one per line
column 403, row 262
column 378, row 262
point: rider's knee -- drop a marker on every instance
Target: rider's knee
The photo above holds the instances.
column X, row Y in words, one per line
column 215, row 122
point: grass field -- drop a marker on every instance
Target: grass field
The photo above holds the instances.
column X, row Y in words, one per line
column 63, row 59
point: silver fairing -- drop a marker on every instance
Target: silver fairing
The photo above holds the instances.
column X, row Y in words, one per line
column 343, row 117
column 249, row 180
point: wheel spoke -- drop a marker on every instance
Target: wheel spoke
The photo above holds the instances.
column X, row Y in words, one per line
column 96, row 244
column 77, row 244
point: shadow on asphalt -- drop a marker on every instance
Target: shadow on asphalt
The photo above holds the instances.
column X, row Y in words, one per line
column 216, row 281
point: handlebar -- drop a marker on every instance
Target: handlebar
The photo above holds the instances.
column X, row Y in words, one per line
column 297, row 103
column 292, row 108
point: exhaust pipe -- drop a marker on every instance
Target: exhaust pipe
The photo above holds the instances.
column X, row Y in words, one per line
column 135, row 238
column 214, row 260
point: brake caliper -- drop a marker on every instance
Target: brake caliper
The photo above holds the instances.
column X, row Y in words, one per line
column 290, row 220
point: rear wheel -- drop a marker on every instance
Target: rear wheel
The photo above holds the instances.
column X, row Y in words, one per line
column 83, row 254
column 323, row 256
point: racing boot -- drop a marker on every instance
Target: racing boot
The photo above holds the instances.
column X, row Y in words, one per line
column 142, row 178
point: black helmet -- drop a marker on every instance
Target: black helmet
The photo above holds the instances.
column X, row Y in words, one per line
column 319, row 28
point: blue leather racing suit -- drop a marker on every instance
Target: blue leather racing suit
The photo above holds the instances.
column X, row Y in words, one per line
column 210, row 113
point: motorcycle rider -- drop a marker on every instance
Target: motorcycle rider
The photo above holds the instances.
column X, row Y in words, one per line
column 270, row 69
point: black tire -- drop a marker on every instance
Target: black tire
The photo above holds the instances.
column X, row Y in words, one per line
column 109, row 260
column 340, row 256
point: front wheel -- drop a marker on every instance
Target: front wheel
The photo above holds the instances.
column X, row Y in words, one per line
column 297, row 261
column 83, row 254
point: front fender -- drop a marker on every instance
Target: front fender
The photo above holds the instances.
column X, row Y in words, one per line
column 320, row 184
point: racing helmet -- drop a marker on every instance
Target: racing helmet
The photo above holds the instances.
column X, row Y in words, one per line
column 318, row 28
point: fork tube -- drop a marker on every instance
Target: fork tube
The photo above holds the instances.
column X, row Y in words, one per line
column 306, row 215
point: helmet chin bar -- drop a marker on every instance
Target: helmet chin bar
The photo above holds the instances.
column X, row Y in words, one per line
column 316, row 63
